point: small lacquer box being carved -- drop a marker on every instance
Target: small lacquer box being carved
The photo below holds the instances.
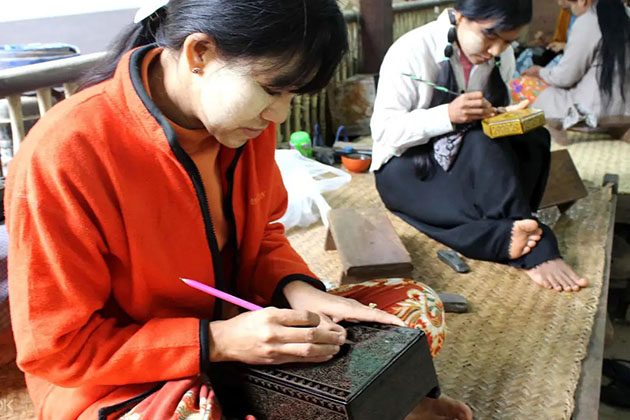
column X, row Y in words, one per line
column 383, row 375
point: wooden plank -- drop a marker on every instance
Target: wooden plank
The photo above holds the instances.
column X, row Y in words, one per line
column 617, row 126
column 368, row 245
column 377, row 32
column 588, row 389
column 564, row 185
column 615, row 121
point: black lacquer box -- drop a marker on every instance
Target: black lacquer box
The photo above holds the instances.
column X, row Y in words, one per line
column 383, row 375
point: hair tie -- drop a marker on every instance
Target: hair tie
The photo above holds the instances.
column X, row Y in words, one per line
column 149, row 10
column 452, row 35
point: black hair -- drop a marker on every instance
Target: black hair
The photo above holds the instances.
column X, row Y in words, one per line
column 309, row 34
column 507, row 15
column 614, row 25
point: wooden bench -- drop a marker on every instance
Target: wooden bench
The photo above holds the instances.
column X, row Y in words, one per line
column 489, row 288
column 618, row 127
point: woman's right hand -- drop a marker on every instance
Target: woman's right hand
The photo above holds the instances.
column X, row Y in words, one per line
column 275, row 336
column 469, row 107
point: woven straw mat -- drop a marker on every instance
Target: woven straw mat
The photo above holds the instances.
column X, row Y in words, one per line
column 15, row 404
column 596, row 158
column 517, row 354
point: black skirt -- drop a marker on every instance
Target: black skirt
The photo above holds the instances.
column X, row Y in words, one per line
column 472, row 207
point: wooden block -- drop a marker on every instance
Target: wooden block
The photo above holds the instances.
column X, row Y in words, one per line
column 368, row 245
column 454, row 303
column 564, row 185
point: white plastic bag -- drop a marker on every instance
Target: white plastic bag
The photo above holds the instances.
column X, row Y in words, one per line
column 305, row 180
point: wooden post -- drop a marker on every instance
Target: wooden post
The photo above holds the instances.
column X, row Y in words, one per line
column 17, row 121
column 377, row 32
column 44, row 100
column 69, row 89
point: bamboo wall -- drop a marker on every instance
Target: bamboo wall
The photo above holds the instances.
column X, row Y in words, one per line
column 308, row 110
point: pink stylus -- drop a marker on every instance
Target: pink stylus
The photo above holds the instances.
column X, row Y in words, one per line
column 221, row 295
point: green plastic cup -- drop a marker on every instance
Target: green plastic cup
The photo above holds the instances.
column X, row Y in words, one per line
column 301, row 141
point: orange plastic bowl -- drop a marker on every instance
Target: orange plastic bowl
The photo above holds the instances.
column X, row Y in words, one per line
column 356, row 162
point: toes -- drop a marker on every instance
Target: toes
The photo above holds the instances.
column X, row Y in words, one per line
column 537, row 278
column 571, row 282
column 573, row 277
column 531, row 244
column 557, row 275
column 554, row 283
column 545, row 283
column 566, row 283
column 535, row 238
column 526, row 250
column 527, row 225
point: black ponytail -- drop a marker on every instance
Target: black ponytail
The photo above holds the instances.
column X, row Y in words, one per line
column 310, row 34
column 614, row 25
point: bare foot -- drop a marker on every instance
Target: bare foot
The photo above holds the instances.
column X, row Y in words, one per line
column 525, row 236
column 556, row 274
column 443, row 408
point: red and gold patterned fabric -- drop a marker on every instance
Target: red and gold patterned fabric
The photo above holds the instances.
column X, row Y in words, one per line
column 413, row 302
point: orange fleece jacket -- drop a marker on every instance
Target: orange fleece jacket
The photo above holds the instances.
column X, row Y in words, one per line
column 105, row 211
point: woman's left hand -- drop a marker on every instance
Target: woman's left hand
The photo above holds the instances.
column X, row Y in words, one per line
column 303, row 296
column 557, row 46
column 533, row 71
column 512, row 108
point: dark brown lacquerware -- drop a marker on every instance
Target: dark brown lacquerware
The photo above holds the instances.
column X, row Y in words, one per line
column 383, row 375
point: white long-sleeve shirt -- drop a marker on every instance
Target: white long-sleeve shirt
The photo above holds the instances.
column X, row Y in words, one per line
column 575, row 80
column 402, row 117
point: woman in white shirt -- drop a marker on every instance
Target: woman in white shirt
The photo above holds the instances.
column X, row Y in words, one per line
column 594, row 70
column 434, row 166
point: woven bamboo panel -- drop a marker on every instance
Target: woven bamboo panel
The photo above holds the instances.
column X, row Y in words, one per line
column 15, row 404
column 308, row 110
column 408, row 20
column 518, row 353
column 596, row 157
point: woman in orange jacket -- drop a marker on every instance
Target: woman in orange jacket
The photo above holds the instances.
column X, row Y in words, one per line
column 163, row 167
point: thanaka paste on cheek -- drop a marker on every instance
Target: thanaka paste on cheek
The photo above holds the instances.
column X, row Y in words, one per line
column 471, row 43
column 232, row 100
